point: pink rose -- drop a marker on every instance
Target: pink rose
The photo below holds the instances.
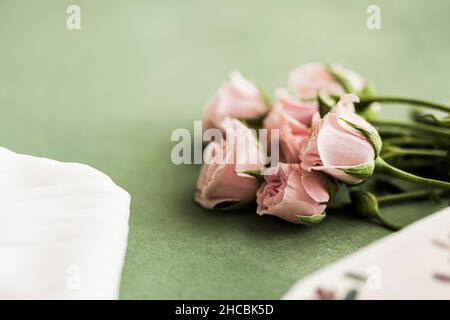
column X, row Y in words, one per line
column 342, row 144
column 310, row 79
column 237, row 99
column 293, row 194
column 285, row 116
column 302, row 111
column 222, row 177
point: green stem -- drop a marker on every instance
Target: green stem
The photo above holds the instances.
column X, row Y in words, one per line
column 383, row 167
column 433, row 130
column 418, row 163
column 419, row 194
column 395, row 151
column 408, row 140
column 340, row 206
column 376, row 216
column 374, row 211
column 412, row 101
column 386, row 223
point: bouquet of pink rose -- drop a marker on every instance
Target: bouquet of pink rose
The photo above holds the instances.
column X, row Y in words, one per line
column 324, row 134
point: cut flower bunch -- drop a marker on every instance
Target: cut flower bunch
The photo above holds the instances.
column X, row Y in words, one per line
column 328, row 138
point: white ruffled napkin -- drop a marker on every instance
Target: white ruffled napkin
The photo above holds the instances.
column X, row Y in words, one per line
column 63, row 230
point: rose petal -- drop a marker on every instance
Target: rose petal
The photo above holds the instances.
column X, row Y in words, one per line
column 316, row 186
column 338, row 148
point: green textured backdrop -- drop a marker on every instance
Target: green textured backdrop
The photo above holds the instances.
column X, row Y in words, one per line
column 110, row 94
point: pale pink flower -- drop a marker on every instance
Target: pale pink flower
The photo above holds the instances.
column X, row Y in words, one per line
column 293, row 194
column 298, row 109
column 313, row 78
column 284, row 116
column 224, row 175
column 238, row 98
column 337, row 145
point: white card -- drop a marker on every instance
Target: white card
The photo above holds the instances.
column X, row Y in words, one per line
column 413, row 263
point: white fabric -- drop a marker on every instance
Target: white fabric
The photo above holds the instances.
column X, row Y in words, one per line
column 63, row 230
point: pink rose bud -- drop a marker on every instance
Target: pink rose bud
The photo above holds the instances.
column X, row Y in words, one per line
column 237, row 99
column 311, row 79
column 290, row 117
column 293, row 194
column 302, row 111
column 226, row 175
column 342, row 144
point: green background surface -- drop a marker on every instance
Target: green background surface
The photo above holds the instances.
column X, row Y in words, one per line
column 110, row 94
